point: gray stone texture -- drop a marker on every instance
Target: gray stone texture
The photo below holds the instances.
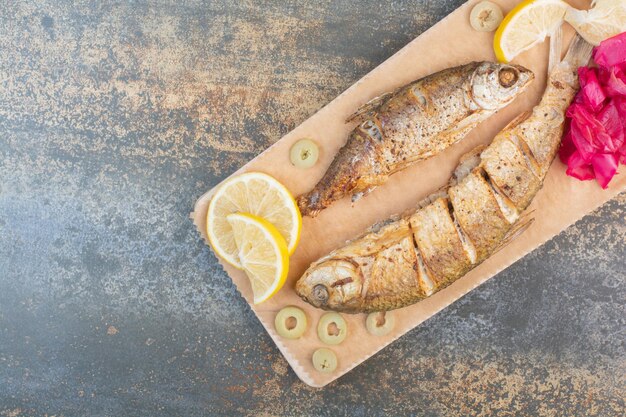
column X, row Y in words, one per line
column 116, row 116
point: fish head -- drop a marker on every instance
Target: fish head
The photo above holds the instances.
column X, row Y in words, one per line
column 333, row 284
column 494, row 84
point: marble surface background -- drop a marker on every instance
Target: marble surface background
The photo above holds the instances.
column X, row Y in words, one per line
column 116, row 116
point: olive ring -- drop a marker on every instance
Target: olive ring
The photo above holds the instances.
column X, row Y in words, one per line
column 280, row 322
column 324, row 360
column 380, row 324
column 304, row 153
column 333, row 338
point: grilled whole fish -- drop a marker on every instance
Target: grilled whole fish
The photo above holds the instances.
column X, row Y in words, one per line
column 414, row 122
column 419, row 254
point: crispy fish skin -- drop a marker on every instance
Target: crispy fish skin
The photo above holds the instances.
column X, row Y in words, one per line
column 511, row 169
column 412, row 123
column 440, row 242
column 478, row 212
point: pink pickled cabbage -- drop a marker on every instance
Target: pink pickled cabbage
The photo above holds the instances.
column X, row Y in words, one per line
column 590, row 90
column 594, row 143
column 611, row 51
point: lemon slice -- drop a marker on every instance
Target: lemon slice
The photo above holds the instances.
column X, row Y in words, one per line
column 605, row 19
column 526, row 25
column 258, row 194
column 262, row 252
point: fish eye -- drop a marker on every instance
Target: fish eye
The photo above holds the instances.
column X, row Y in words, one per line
column 320, row 293
column 508, row 76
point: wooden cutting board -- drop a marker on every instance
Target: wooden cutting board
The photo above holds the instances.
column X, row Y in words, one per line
column 451, row 42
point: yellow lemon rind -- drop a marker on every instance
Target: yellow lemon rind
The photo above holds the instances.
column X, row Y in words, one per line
column 280, row 246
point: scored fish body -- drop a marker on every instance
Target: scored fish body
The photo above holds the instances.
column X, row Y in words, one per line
column 454, row 230
column 412, row 123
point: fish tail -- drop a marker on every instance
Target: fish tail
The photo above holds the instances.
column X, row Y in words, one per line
column 579, row 53
column 556, row 48
column 309, row 204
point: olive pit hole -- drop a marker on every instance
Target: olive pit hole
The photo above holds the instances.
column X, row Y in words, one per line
column 485, row 15
column 332, row 329
column 291, row 323
column 380, row 319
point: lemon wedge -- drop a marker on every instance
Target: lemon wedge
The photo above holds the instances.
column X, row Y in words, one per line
column 527, row 25
column 260, row 195
column 605, row 19
column 262, row 252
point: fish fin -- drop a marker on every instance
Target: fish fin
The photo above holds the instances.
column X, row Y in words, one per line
column 522, row 224
column 309, row 204
column 375, row 228
column 369, row 108
column 518, row 120
column 358, row 195
column 441, row 192
column 578, row 53
column 556, row 47
column 467, row 163
column 463, row 127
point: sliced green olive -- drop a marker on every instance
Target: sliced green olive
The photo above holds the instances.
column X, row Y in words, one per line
column 486, row 16
column 290, row 322
column 324, row 360
column 332, row 329
column 304, row 153
column 379, row 324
